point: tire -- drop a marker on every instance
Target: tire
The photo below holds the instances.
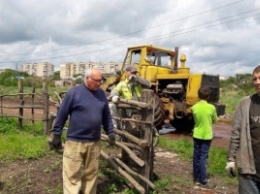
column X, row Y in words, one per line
column 158, row 108
column 184, row 125
column 158, row 113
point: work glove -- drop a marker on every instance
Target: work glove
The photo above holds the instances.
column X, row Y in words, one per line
column 56, row 142
column 231, row 169
column 132, row 78
column 115, row 99
column 112, row 139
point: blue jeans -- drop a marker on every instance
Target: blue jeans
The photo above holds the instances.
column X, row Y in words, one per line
column 200, row 160
column 247, row 185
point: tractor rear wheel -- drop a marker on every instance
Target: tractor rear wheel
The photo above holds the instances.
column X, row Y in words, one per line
column 159, row 112
column 158, row 109
column 184, row 125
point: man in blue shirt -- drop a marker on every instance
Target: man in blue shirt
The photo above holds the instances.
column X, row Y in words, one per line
column 87, row 108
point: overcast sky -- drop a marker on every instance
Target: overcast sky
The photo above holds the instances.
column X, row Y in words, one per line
column 218, row 37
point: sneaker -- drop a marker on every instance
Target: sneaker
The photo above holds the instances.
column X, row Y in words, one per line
column 196, row 185
column 207, row 186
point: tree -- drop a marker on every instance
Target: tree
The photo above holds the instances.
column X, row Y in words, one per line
column 10, row 77
column 56, row 75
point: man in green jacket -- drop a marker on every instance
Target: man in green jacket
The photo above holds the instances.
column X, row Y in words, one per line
column 205, row 116
column 244, row 147
column 130, row 89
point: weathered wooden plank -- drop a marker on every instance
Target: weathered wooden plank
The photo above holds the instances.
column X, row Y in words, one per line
column 138, row 187
column 23, row 106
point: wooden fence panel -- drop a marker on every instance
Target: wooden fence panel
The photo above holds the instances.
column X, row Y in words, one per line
column 139, row 148
column 26, row 103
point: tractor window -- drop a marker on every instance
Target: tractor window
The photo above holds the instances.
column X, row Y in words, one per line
column 166, row 61
column 150, row 58
column 159, row 58
column 136, row 57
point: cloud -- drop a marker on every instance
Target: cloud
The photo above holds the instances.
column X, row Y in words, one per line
column 217, row 37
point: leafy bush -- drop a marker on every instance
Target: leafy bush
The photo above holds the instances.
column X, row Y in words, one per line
column 10, row 78
column 235, row 88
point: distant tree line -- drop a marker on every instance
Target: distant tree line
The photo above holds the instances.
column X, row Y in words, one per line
column 242, row 81
column 10, row 78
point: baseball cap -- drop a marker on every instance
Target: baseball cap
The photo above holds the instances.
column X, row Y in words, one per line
column 131, row 68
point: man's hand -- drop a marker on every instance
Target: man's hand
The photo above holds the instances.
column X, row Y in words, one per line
column 56, row 142
column 132, row 78
column 112, row 139
column 231, row 169
column 115, row 99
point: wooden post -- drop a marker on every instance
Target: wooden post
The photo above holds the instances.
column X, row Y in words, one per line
column 20, row 91
column 33, row 95
column 148, row 152
column 45, row 108
column 2, row 111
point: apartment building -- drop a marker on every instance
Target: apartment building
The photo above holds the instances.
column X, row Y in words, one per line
column 44, row 69
column 69, row 69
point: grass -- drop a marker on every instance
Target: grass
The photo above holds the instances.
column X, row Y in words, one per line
column 162, row 183
column 21, row 144
column 31, row 144
column 184, row 148
column 216, row 161
column 230, row 97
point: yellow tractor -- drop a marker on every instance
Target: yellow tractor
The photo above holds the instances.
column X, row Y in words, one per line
column 175, row 87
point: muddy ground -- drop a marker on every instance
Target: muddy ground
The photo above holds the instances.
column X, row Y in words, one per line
column 43, row 176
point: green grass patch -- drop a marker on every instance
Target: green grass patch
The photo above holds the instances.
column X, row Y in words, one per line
column 217, row 161
column 230, row 96
column 9, row 126
column 162, row 183
column 22, row 146
column 28, row 143
column 183, row 148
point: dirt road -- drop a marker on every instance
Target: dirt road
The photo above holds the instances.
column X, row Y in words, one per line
column 12, row 110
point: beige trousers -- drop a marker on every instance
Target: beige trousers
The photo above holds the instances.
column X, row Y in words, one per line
column 80, row 167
